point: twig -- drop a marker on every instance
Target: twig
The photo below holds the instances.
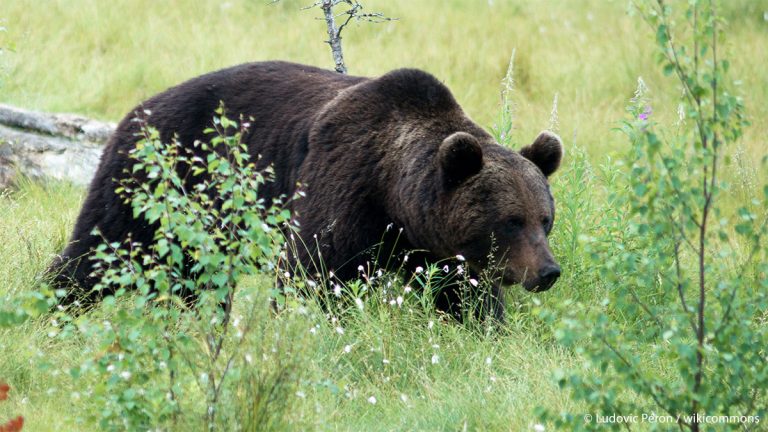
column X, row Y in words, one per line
column 334, row 31
column 652, row 389
column 680, row 291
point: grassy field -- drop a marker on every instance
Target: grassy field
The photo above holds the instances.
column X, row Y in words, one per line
column 101, row 58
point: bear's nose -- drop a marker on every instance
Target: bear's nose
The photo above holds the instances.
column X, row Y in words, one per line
column 548, row 275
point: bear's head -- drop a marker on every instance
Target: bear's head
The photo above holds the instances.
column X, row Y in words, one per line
column 498, row 208
column 450, row 186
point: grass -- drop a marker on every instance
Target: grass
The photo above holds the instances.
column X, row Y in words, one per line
column 101, row 58
column 486, row 382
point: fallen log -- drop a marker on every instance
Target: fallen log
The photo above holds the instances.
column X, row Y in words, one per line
column 41, row 145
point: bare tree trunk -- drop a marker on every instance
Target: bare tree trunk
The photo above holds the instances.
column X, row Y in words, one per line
column 42, row 145
column 354, row 12
column 334, row 35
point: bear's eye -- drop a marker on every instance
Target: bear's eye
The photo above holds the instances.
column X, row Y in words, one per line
column 513, row 225
column 547, row 224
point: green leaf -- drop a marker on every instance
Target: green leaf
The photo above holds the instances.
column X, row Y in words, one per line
column 661, row 35
column 220, row 279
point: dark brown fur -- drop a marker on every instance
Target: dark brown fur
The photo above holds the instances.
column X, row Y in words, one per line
column 395, row 150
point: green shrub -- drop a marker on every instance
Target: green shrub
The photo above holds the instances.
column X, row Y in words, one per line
column 680, row 334
column 168, row 344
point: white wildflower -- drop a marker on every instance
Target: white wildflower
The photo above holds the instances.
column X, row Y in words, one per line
column 554, row 122
column 372, row 400
column 435, row 359
column 639, row 97
column 680, row 114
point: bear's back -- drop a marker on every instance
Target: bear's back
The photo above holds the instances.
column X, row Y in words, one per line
column 279, row 101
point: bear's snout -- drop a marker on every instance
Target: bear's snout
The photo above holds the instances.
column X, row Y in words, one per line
column 547, row 277
column 544, row 279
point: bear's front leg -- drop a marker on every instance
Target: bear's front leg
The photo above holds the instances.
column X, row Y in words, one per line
column 493, row 303
column 458, row 299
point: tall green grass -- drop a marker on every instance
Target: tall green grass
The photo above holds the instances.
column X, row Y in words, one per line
column 425, row 373
column 392, row 367
column 102, row 58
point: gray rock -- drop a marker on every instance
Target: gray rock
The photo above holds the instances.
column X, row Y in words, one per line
column 49, row 146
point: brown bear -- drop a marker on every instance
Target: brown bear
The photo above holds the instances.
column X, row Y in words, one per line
column 393, row 152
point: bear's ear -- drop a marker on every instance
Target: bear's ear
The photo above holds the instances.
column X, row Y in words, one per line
column 460, row 157
column 545, row 152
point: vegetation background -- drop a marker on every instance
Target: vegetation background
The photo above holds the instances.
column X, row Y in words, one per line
column 392, row 368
